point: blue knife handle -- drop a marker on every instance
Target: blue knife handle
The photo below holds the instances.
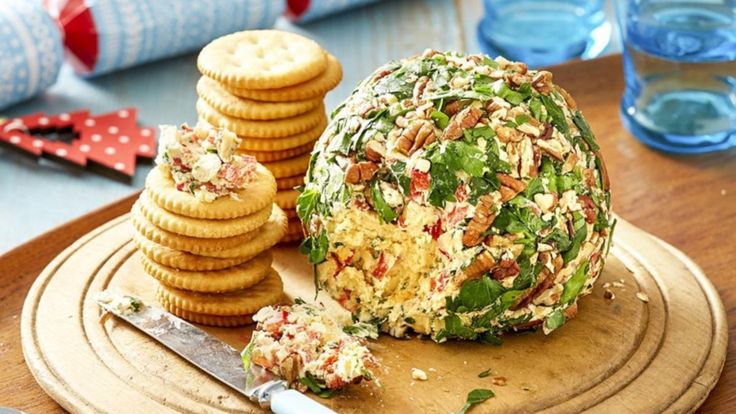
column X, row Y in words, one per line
column 294, row 402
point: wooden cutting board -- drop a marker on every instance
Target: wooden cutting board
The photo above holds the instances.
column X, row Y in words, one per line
column 617, row 356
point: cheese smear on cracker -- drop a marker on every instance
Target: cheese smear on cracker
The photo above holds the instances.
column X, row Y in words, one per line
column 202, row 161
column 457, row 196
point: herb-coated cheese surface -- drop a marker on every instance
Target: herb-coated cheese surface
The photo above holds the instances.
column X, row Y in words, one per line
column 458, row 197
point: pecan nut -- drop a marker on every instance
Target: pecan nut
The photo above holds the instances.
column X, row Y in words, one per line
column 419, row 87
column 374, row 151
column 506, row 268
column 454, row 107
column 360, row 172
column 542, row 82
column 568, row 98
column 589, row 208
column 510, row 186
column 506, row 134
column 465, row 119
column 480, row 265
column 415, row 136
column 481, row 221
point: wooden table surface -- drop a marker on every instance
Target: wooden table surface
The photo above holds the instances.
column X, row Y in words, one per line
column 688, row 201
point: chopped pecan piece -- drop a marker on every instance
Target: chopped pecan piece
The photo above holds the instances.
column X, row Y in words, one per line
column 515, row 79
column 505, row 268
column 546, row 132
column 290, row 367
column 374, row 151
column 571, row 311
column 507, row 134
column 480, row 265
column 467, row 118
column 360, row 172
column 589, row 208
column 481, row 221
column 454, row 107
column 415, row 136
column 568, row 98
column 542, row 82
column 551, row 147
column 418, row 93
column 510, row 186
column 382, row 73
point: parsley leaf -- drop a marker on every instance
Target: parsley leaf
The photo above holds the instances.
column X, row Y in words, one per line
column 442, row 185
column 535, row 106
column 585, row 131
column 485, row 373
column 306, row 203
column 555, row 113
column 476, row 396
column 574, row 285
column 554, row 320
column 315, row 387
column 440, row 119
column 477, row 294
column 515, row 97
column 315, row 248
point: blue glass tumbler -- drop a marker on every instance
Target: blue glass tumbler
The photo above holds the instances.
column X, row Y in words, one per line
column 544, row 32
column 680, row 70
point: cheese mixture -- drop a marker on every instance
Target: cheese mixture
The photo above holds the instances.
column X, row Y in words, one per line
column 458, row 197
column 304, row 345
column 202, row 161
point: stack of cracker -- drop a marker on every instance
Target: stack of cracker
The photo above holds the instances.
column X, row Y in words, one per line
column 205, row 223
column 268, row 87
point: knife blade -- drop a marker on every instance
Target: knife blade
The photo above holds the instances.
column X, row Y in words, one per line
column 211, row 355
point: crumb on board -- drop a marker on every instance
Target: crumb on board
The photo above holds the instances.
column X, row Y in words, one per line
column 642, row 297
column 499, row 380
column 608, row 294
column 418, row 374
column 723, row 191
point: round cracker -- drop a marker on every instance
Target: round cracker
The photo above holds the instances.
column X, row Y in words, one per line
column 288, row 183
column 290, row 213
column 256, row 195
column 183, row 260
column 278, row 144
column 194, row 245
column 203, row 319
column 263, row 129
column 223, row 101
column 294, row 232
column 289, row 167
column 286, row 199
column 269, row 234
column 316, row 87
column 271, row 156
column 203, row 228
column 226, row 280
column 262, row 59
column 242, row 302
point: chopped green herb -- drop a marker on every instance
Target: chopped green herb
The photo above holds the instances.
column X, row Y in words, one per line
column 315, row 387
column 362, row 330
column 585, row 131
column 575, row 284
column 476, row 396
column 306, row 203
column 384, row 211
column 555, row 113
column 535, row 106
column 515, row 97
column 554, row 320
column 442, row 185
column 440, row 119
column 522, row 119
column 485, row 373
column 315, row 248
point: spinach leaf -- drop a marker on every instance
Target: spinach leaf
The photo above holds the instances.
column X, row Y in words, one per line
column 398, row 171
column 476, row 396
column 527, row 273
column 384, row 211
column 442, row 185
column 535, row 106
column 533, row 187
column 581, row 232
column 485, row 373
column 491, row 339
column 555, row 113
column 306, row 203
column 315, row 248
column 554, row 320
column 440, row 119
column 560, row 238
column 315, row 387
column 515, row 97
column 480, row 186
column 547, row 170
column 585, row 131
column 455, row 328
column 522, row 119
column 574, row 285
column 477, row 294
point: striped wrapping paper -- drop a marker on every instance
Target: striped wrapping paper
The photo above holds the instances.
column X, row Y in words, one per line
column 31, row 52
column 107, row 35
column 307, row 10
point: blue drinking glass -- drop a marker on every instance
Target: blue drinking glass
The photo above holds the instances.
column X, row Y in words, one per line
column 544, row 32
column 680, row 70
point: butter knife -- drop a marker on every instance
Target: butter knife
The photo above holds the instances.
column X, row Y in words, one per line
column 211, row 355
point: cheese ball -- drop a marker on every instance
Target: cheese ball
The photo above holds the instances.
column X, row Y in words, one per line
column 459, row 197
